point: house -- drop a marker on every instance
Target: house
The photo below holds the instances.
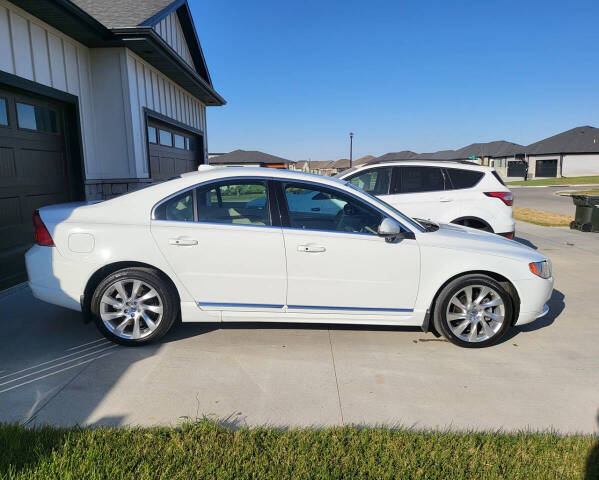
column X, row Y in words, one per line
column 567, row 154
column 329, row 167
column 248, row 158
column 97, row 98
column 571, row 153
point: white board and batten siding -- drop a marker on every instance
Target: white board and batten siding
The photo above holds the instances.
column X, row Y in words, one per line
column 169, row 28
column 36, row 51
column 151, row 89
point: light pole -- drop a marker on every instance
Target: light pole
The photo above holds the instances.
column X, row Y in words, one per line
column 351, row 141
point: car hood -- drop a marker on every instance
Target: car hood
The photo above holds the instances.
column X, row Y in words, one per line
column 457, row 237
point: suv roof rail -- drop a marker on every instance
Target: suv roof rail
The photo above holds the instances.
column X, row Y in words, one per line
column 463, row 162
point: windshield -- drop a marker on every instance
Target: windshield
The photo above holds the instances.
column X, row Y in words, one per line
column 410, row 220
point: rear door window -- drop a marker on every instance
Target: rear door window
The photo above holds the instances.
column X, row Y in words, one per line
column 375, row 181
column 236, row 202
column 418, row 179
column 463, row 178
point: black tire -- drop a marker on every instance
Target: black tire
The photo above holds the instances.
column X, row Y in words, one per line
column 474, row 223
column 440, row 309
column 166, row 294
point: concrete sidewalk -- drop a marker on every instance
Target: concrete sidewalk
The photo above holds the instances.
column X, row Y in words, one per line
column 54, row 369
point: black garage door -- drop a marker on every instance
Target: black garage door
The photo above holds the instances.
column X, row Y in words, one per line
column 516, row 168
column 33, row 172
column 546, row 168
column 173, row 151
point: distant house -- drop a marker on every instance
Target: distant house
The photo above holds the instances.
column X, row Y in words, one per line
column 329, row 167
column 248, row 158
column 567, row 154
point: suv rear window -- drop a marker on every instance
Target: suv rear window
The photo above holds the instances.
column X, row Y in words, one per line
column 499, row 179
column 418, row 179
column 375, row 181
column 464, row 178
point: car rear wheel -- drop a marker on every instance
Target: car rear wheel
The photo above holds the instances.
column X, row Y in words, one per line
column 474, row 223
column 473, row 311
column 134, row 306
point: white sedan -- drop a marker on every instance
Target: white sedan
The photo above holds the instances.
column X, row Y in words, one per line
column 224, row 245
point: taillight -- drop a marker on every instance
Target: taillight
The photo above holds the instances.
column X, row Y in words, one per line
column 42, row 236
column 505, row 197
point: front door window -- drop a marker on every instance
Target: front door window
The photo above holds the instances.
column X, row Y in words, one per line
column 318, row 208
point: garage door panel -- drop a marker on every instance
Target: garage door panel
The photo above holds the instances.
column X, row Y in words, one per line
column 7, row 162
column 13, row 266
column 33, row 173
column 167, row 161
column 40, row 164
column 31, row 203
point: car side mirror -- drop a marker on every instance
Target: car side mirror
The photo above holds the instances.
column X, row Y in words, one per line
column 391, row 231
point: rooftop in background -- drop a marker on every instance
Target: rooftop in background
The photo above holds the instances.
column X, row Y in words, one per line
column 251, row 157
column 499, row 148
column 577, row 140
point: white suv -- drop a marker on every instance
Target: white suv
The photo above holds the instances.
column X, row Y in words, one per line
column 442, row 191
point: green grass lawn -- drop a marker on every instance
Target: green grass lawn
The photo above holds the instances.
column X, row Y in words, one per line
column 558, row 181
column 207, row 450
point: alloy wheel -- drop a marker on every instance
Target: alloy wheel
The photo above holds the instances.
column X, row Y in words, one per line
column 131, row 309
column 475, row 313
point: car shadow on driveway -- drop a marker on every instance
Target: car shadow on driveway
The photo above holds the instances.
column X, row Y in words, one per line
column 526, row 242
column 556, row 306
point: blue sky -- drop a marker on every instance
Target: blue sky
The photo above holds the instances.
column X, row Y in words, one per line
column 298, row 76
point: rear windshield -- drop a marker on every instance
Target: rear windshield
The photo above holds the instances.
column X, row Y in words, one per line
column 496, row 175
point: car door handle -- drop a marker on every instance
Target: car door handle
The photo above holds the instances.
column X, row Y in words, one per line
column 446, row 199
column 182, row 241
column 311, row 248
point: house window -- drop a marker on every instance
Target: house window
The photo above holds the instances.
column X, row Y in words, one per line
column 179, row 141
column 3, row 113
column 187, row 143
column 166, row 138
column 151, row 135
column 33, row 117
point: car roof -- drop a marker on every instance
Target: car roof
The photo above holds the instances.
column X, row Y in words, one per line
column 464, row 165
column 209, row 172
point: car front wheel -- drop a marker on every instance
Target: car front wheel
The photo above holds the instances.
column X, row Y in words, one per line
column 133, row 306
column 473, row 311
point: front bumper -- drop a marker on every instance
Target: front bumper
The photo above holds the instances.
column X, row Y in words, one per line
column 534, row 295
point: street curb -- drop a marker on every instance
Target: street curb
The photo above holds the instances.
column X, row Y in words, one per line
column 547, row 186
column 9, row 292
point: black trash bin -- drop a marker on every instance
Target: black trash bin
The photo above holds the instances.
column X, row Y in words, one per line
column 587, row 213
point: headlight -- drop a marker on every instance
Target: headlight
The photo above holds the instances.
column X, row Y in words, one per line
column 541, row 269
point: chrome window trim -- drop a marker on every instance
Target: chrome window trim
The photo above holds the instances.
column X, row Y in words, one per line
column 282, row 180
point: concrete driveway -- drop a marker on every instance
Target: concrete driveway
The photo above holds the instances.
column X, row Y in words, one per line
column 54, row 369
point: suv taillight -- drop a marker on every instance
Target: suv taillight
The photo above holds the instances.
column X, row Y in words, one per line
column 42, row 236
column 505, row 197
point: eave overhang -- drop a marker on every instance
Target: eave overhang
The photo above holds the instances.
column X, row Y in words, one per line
column 146, row 43
column 66, row 17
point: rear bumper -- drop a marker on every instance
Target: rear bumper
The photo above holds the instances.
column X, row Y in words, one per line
column 55, row 279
